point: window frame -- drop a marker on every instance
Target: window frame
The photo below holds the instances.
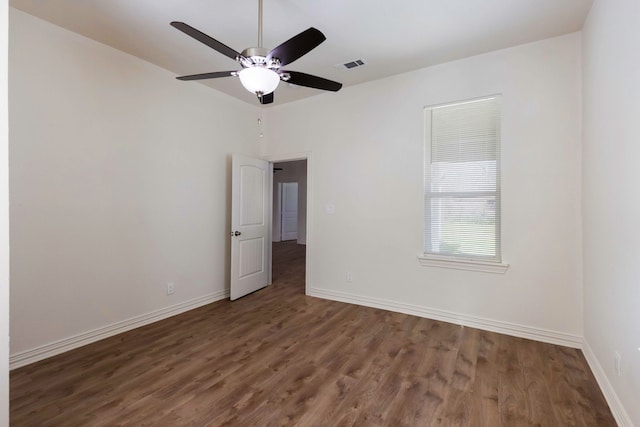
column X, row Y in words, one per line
column 493, row 264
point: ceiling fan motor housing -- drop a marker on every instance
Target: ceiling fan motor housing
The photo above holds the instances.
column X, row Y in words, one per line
column 253, row 56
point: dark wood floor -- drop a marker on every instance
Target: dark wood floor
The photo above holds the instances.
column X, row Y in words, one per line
column 278, row 357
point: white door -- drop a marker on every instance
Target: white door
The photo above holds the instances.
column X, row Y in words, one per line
column 289, row 211
column 249, row 225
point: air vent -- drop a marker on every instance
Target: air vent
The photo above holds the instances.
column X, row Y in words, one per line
column 352, row 64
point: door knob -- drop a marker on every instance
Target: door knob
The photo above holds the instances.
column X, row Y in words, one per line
column 235, row 233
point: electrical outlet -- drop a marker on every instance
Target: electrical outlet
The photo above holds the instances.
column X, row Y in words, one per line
column 170, row 288
column 349, row 277
column 618, row 363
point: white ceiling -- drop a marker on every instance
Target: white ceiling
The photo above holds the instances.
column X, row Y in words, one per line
column 391, row 36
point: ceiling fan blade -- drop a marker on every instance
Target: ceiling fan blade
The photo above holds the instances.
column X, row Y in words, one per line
column 266, row 99
column 297, row 46
column 203, row 76
column 308, row 80
column 203, row 38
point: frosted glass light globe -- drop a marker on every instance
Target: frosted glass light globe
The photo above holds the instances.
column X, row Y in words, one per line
column 259, row 79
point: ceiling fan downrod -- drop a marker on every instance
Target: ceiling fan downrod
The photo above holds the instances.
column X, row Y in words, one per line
column 256, row 56
column 259, row 23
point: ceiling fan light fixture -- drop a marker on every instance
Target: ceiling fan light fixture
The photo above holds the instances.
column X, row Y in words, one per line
column 259, row 80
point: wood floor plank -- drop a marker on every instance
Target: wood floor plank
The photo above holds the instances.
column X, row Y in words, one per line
column 459, row 402
column 484, row 406
column 535, row 387
column 280, row 358
column 512, row 401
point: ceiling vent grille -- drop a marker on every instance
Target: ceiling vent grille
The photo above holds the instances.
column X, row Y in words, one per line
column 352, row 64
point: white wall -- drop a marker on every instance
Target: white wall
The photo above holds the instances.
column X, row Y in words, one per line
column 611, row 203
column 118, row 184
column 294, row 171
column 4, row 220
column 367, row 145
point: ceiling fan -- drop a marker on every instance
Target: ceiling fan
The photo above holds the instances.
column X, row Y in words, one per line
column 261, row 68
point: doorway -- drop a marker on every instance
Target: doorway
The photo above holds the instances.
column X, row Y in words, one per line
column 289, row 223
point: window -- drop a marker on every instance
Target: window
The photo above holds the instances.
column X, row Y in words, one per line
column 462, row 181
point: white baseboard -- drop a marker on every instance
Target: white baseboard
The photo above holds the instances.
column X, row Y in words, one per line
column 618, row 411
column 543, row 335
column 48, row 350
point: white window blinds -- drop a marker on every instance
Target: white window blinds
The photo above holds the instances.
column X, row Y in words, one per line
column 462, row 179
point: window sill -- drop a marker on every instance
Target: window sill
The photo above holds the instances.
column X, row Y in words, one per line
column 462, row 264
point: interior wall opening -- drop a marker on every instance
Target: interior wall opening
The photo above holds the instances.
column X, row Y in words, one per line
column 289, row 224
